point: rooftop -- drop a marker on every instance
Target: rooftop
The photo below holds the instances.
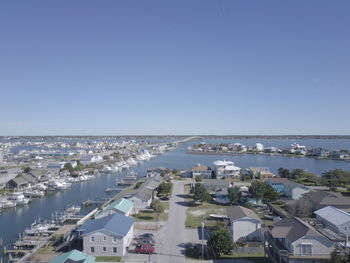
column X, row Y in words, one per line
column 239, row 212
column 333, row 215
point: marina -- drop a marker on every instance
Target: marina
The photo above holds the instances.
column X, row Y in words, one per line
column 20, row 218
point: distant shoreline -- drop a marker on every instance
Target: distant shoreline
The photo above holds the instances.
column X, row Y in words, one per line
column 225, row 137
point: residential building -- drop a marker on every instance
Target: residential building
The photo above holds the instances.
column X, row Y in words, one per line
column 90, row 159
column 277, row 183
column 122, row 206
column 151, row 172
column 202, row 171
column 336, row 220
column 260, row 173
column 141, row 198
column 295, row 190
column 107, row 236
column 74, row 256
column 288, row 188
column 320, row 199
column 215, row 184
column 226, row 169
column 292, row 240
column 245, row 224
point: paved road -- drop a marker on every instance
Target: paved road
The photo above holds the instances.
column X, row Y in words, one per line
column 171, row 248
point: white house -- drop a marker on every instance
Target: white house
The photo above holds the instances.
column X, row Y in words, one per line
column 226, row 169
column 202, row 171
column 107, row 236
column 89, row 159
column 258, row 147
column 335, row 219
column 245, row 224
column 295, row 190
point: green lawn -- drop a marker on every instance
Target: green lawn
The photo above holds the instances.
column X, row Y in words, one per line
column 150, row 216
column 108, row 259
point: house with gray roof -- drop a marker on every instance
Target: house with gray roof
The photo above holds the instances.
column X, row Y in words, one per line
column 215, row 184
column 141, row 198
column 292, row 240
column 245, row 223
column 336, row 220
column 107, row 236
column 320, row 199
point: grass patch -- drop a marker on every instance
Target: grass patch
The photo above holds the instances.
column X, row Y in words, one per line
column 195, row 215
column 108, row 259
column 49, row 249
column 150, row 216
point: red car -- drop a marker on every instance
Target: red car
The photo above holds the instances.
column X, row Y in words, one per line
column 145, row 248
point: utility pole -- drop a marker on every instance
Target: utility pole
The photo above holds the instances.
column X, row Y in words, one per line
column 202, row 240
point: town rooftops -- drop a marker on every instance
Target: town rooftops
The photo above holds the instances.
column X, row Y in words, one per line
column 333, row 215
column 74, row 256
column 143, row 193
column 214, row 184
column 327, row 198
column 278, row 180
column 201, row 168
column 238, row 212
column 122, row 204
column 293, row 228
column 112, row 225
column 293, row 185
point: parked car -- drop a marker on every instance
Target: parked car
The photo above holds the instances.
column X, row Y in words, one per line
column 146, row 249
column 147, row 235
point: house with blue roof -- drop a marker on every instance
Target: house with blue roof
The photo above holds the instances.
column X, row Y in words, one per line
column 74, row 256
column 107, row 236
column 122, row 206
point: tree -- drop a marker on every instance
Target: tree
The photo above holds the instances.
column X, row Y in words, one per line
column 158, row 209
column 284, row 173
column 221, row 241
column 257, row 190
column 234, row 194
column 300, row 208
column 175, row 172
column 263, row 191
column 335, row 258
column 164, row 188
column 201, row 194
column 26, row 169
column 335, row 178
column 167, row 170
column 68, row 167
column 198, row 179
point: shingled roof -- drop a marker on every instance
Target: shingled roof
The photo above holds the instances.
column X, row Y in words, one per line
column 239, row 212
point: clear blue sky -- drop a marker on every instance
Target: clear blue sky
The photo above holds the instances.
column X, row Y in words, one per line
column 174, row 67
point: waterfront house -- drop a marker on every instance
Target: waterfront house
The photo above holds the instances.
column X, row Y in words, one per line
column 151, row 172
column 18, row 183
column 90, row 159
column 74, row 256
column 245, row 224
column 320, row 199
column 202, row 171
column 107, row 236
column 152, row 183
column 292, row 240
column 226, row 169
column 336, row 220
column 57, row 165
column 141, row 198
column 122, row 206
column 260, row 173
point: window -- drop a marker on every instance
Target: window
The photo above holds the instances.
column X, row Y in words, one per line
column 104, row 249
column 104, row 238
column 306, row 249
column 345, row 228
column 92, row 249
column 114, row 250
column 92, row 239
column 114, row 239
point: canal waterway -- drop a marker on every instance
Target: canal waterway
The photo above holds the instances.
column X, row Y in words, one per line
column 15, row 221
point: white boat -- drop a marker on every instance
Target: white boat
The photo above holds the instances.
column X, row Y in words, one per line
column 4, row 203
column 33, row 193
column 40, row 187
column 18, row 198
